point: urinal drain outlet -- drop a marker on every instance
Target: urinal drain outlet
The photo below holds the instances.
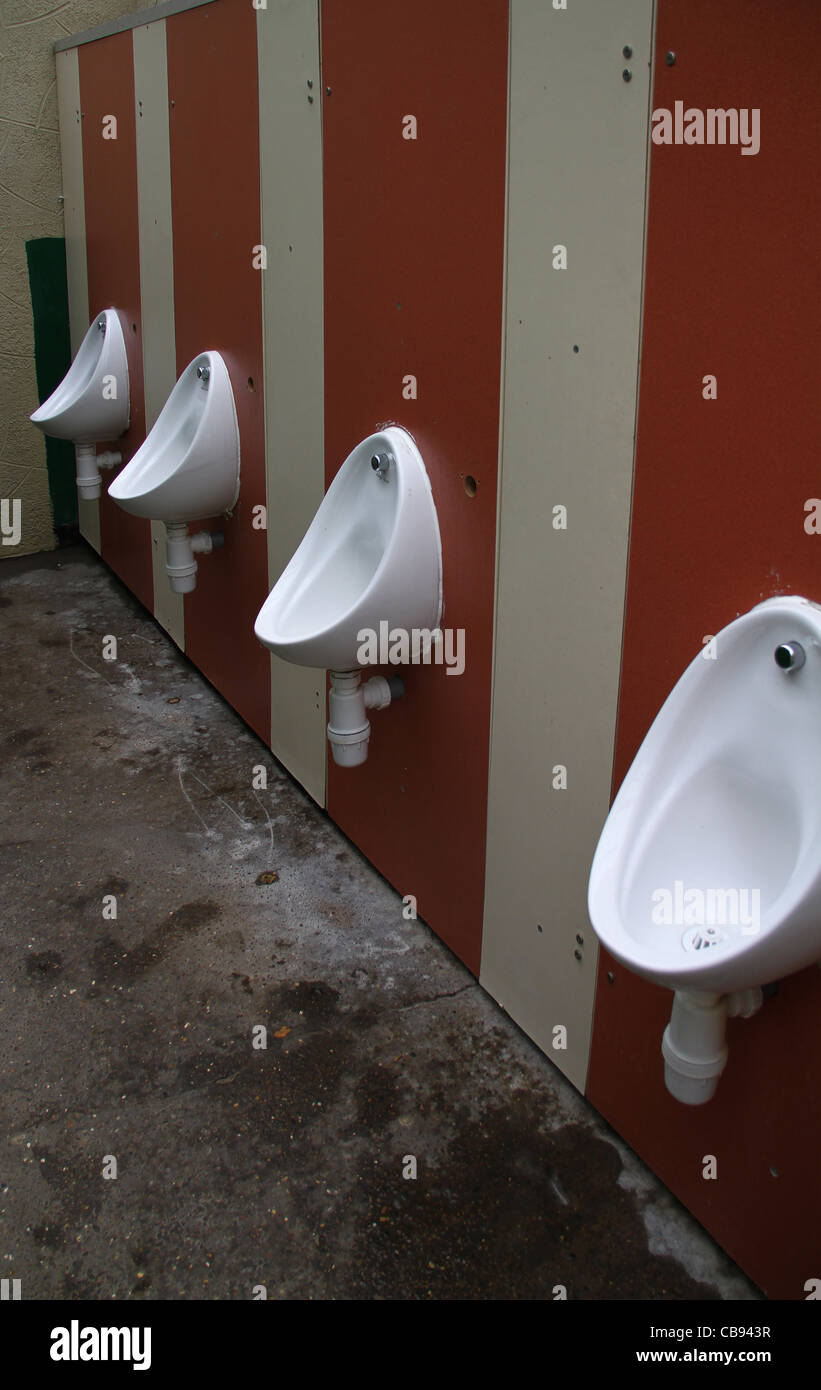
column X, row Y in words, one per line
column 701, row 938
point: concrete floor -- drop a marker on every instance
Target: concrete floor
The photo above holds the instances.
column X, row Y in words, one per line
column 239, row 1167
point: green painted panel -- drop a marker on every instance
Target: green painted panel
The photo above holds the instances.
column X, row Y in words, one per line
column 46, row 258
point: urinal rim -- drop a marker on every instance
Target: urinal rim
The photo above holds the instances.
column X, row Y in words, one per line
column 280, row 646
column 212, row 358
column 606, row 882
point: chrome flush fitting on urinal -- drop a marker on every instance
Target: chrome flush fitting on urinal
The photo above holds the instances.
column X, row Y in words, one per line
column 92, row 401
column 371, row 554
column 188, row 467
column 707, row 875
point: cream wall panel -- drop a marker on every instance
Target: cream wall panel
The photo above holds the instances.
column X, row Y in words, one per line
column 156, row 271
column 577, row 153
column 292, row 292
column 71, row 150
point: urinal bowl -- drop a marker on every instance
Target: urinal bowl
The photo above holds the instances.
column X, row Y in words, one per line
column 188, row 468
column 92, row 401
column 707, row 875
column 372, row 555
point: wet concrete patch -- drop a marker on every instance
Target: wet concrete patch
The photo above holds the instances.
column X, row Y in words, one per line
column 113, row 965
column 527, row 1215
column 257, row 1035
column 43, row 965
column 20, row 738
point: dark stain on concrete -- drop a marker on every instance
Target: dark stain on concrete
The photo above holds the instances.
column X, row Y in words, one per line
column 114, row 884
column 19, row 738
column 315, row 999
column 378, row 1100
column 76, row 1181
column 303, row 834
column 44, row 965
column 240, row 1166
column 77, row 903
column 273, row 1098
column 114, row 965
column 40, row 767
column 52, row 1237
column 188, row 918
column 494, row 1213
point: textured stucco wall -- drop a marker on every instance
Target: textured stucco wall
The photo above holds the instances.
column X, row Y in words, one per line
column 30, row 206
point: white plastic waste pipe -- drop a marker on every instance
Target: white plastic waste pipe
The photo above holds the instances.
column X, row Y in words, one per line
column 180, row 548
column 349, row 729
column 693, row 1046
column 89, row 463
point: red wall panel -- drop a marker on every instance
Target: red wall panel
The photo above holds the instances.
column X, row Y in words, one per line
column 214, row 125
column 732, row 289
column 112, row 246
column 414, row 235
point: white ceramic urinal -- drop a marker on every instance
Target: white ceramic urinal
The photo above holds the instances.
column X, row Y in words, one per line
column 92, row 401
column 188, row 467
column 371, row 557
column 707, row 875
